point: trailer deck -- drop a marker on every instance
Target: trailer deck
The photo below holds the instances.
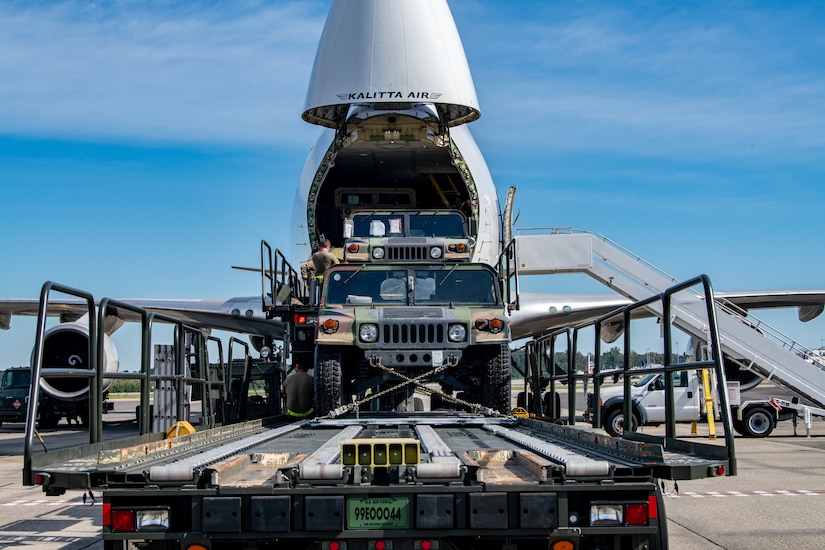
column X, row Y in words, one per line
column 451, row 448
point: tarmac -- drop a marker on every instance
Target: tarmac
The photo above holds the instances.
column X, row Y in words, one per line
column 777, row 500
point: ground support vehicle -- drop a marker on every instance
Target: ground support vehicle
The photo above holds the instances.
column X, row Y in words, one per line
column 371, row 480
column 382, row 480
column 14, row 394
column 753, row 418
column 14, row 397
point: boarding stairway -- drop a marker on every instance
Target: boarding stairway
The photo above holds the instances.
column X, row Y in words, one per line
column 749, row 342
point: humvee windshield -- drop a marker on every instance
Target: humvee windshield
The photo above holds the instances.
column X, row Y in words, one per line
column 429, row 287
column 446, row 225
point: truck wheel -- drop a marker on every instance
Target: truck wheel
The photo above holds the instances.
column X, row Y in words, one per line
column 738, row 426
column 328, row 388
column 614, row 423
column 495, row 383
column 758, row 422
column 48, row 420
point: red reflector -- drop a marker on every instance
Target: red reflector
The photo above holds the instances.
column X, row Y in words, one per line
column 123, row 520
column 636, row 514
column 720, row 470
column 652, row 507
column 107, row 514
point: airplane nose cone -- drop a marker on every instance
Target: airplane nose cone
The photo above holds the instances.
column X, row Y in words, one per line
column 388, row 54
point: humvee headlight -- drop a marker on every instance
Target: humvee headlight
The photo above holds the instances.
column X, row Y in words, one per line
column 435, row 252
column 378, row 252
column 368, row 333
column 456, row 333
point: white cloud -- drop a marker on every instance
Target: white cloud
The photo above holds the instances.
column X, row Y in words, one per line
column 157, row 71
column 709, row 79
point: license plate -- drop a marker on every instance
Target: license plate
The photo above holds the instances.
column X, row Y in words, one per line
column 378, row 513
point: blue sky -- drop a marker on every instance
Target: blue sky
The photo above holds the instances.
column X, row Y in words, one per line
column 147, row 146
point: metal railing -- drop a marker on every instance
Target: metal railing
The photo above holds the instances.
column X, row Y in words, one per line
column 543, row 348
column 280, row 282
column 97, row 375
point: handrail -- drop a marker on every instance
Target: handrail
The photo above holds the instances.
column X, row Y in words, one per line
column 96, row 374
column 37, row 363
column 539, row 346
column 96, row 387
column 749, row 343
column 285, row 284
column 241, row 404
column 508, row 270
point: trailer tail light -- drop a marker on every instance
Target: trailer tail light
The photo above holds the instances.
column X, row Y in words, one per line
column 652, row 507
column 380, row 545
column 152, row 520
column 123, row 520
column 617, row 513
column 333, row 545
column 42, row 479
column 140, row 519
column 636, row 514
column 563, row 545
column 426, row 544
column 606, row 514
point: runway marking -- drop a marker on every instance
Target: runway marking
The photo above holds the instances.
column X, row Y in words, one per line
column 756, row 493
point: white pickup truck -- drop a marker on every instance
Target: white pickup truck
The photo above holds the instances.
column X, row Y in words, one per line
column 750, row 418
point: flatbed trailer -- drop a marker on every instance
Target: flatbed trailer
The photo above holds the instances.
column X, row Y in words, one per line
column 401, row 481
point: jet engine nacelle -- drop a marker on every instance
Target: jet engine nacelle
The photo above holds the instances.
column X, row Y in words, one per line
column 67, row 346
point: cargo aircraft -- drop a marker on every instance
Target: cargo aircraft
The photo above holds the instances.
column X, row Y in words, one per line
column 393, row 92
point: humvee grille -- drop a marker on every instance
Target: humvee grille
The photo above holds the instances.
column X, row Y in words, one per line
column 413, row 333
column 408, row 252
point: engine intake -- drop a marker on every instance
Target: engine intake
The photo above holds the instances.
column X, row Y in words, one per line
column 67, row 346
